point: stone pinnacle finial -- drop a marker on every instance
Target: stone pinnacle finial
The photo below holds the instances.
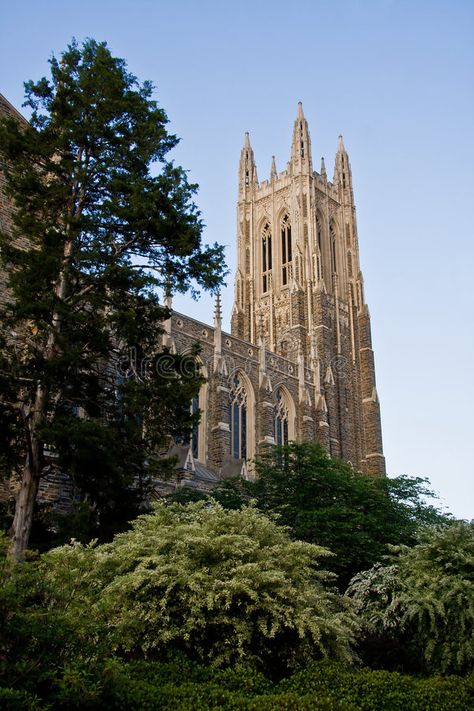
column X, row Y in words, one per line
column 323, row 168
column 246, row 140
column 340, row 147
column 218, row 310
column 300, row 110
column 273, row 171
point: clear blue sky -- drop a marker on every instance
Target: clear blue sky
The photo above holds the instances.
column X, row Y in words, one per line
column 395, row 77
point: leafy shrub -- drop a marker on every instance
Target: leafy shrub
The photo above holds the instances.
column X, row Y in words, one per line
column 371, row 690
column 324, row 501
column 223, row 586
column 421, row 606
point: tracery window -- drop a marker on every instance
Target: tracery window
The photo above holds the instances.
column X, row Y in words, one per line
column 281, row 419
column 266, row 257
column 286, row 249
column 238, row 419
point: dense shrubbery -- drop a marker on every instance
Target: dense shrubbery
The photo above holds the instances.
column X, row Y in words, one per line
column 185, row 686
column 324, row 501
column 223, row 586
column 187, row 609
column 421, row 606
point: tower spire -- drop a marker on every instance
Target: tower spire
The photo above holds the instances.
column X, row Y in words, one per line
column 342, row 171
column 301, row 160
column 273, row 170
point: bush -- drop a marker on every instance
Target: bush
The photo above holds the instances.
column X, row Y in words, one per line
column 222, row 586
column 421, row 606
column 371, row 690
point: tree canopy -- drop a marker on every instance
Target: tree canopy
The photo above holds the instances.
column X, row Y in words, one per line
column 101, row 219
column 324, row 501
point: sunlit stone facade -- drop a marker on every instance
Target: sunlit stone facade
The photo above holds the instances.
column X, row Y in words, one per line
column 298, row 364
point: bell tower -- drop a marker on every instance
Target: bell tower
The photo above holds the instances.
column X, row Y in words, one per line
column 299, row 289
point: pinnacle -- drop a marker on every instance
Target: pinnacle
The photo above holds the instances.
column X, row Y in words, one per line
column 218, row 309
column 300, row 110
column 323, row 167
column 273, row 170
column 246, row 140
column 341, row 148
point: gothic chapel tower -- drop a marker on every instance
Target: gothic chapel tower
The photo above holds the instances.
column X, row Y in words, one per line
column 299, row 291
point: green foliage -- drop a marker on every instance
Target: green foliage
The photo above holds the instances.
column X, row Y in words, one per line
column 370, row 690
column 41, row 633
column 15, row 700
column 421, row 607
column 102, row 218
column 324, row 501
column 221, row 585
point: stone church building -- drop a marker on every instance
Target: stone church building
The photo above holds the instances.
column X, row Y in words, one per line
column 298, row 364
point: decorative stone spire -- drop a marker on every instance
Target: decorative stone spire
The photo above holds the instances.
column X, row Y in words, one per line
column 248, row 180
column 217, row 333
column 342, row 171
column 301, row 160
column 273, row 171
column 323, row 168
column 218, row 311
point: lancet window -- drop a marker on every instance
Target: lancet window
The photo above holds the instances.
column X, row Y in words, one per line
column 333, row 249
column 266, row 257
column 238, row 419
column 319, row 237
column 281, row 419
column 286, row 249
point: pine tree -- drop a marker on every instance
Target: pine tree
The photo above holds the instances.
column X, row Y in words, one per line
column 101, row 220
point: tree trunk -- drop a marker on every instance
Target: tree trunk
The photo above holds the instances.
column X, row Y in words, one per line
column 24, row 508
column 25, row 502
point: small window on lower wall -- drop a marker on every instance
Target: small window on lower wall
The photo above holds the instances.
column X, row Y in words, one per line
column 281, row 419
column 238, row 419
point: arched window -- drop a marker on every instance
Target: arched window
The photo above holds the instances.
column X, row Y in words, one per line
column 238, row 419
column 266, row 257
column 281, row 419
column 319, row 234
column 198, row 405
column 286, row 249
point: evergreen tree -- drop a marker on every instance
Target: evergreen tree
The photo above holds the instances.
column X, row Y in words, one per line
column 101, row 219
